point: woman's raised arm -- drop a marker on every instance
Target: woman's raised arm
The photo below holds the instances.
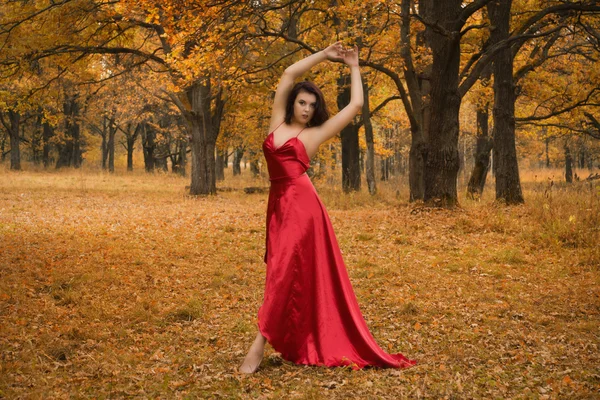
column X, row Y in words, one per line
column 294, row 71
column 336, row 123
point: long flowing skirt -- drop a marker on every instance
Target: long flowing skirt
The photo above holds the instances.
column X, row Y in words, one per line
column 310, row 313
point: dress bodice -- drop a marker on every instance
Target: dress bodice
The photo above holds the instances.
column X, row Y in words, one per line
column 287, row 161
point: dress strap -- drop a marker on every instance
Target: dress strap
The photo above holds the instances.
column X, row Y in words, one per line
column 278, row 126
column 300, row 131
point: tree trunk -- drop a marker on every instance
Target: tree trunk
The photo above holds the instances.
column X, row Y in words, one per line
column 238, row 153
column 350, row 159
column 416, row 166
column 161, row 163
column 419, row 92
column 47, row 135
column 442, row 160
column 370, row 163
column 350, row 148
column 104, row 146
column 385, row 161
column 37, row 138
column 204, row 121
column 334, row 156
column 15, row 151
column 148, row 146
column 129, row 156
column 182, row 157
column 131, row 138
column 110, row 143
column 111, row 150
column 76, row 134
column 201, row 182
column 568, row 165
column 3, row 145
column 130, row 141
column 220, row 165
column 582, row 156
column 254, row 168
column 506, row 168
column 547, row 152
column 482, row 155
column 69, row 150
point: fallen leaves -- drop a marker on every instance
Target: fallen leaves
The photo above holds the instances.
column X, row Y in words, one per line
column 125, row 294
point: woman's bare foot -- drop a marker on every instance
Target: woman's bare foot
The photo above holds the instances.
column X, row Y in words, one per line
column 254, row 356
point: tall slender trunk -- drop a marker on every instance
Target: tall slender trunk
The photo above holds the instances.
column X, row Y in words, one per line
column 15, row 151
column 104, row 145
column 370, row 163
column 547, row 151
column 581, row 156
column 350, row 159
column 110, row 143
column 148, row 146
column 131, row 138
column 568, row 165
column 36, row 139
column 69, row 150
column 418, row 90
column 129, row 157
column 350, row 149
column 3, row 145
column 111, row 150
column 76, row 133
column 47, row 135
column 238, row 153
column 385, row 162
column 254, row 165
column 182, row 157
column 482, row 155
column 220, row 164
column 506, row 168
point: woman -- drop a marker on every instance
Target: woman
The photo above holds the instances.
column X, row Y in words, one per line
column 310, row 313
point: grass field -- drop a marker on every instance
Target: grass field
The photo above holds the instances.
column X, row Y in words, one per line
column 122, row 286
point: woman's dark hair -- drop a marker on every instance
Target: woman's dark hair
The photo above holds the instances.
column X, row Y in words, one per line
column 320, row 116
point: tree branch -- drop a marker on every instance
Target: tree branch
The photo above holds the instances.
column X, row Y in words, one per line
column 489, row 55
column 67, row 49
column 580, row 103
column 379, row 107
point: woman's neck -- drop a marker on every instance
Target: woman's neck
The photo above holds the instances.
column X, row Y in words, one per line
column 296, row 124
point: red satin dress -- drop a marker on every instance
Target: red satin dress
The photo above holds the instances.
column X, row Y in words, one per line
column 310, row 313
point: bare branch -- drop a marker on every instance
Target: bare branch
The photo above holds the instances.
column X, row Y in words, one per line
column 583, row 102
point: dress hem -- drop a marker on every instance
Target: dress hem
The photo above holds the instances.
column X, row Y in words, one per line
column 402, row 364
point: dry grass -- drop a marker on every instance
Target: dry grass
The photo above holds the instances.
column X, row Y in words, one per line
column 123, row 286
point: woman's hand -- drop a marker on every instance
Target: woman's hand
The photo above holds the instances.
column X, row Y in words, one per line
column 350, row 56
column 335, row 52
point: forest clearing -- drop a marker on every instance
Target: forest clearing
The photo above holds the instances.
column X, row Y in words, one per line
column 119, row 286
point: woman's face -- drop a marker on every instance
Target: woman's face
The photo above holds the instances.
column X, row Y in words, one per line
column 304, row 107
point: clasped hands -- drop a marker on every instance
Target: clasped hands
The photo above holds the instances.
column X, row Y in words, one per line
column 337, row 52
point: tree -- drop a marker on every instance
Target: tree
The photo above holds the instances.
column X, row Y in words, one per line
column 11, row 122
column 506, row 167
